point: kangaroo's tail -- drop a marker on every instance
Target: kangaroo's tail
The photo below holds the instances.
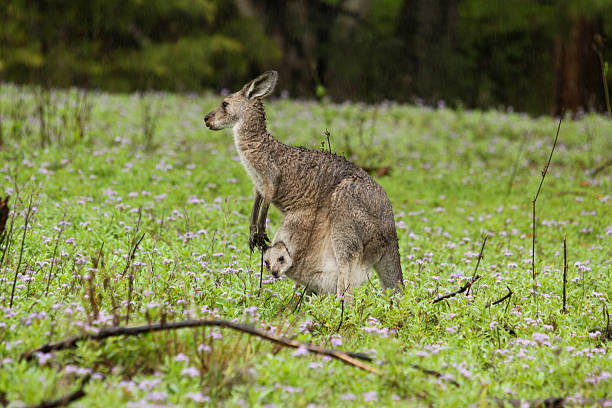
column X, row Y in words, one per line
column 389, row 268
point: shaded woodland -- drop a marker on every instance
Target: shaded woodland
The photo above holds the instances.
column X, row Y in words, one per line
column 538, row 56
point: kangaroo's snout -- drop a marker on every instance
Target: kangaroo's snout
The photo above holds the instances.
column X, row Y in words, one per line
column 207, row 118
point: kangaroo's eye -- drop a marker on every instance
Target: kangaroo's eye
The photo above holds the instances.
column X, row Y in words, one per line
column 281, row 259
column 267, row 264
column 224, row 104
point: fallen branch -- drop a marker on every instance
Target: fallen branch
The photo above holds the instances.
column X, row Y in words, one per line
column 551, row 402
column 600, row 168
column 66, row 399
column 71, row 342
column 435, row 374
column 507, row 296
column 459, row 291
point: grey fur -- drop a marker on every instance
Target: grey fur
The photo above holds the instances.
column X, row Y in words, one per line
column 334, row 198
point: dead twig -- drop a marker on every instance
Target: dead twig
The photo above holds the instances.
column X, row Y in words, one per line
column 298, row 305
column 341, row 316
column 261, row 273
column 71, row 342
column 66, row 399
column 600, row 168
column 131, row 256
column 507, row 296
column 25, row 230
column 551, row 402
column 564, row 309
column 484, row 242
column 535, row 199
column 436, row 374
column 459, row 291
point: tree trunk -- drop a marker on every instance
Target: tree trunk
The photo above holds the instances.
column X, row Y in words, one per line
column 578, row 83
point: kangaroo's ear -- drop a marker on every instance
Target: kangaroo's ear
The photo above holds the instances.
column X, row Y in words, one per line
column 261, row 86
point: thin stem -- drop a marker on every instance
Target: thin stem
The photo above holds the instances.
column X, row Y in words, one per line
column 25, row 230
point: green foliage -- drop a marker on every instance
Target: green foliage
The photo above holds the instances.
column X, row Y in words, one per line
column 454, row 175
column 119, row 45
column 474, row 53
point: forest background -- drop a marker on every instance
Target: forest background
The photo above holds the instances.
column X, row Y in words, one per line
column 536, row 56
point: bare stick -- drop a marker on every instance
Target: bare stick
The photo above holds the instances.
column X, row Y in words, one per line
column 544, row 171
column 260, row 274
column 327, row 135
column 535, row 199
column 435, row 374
column 550, row 402
column 25, row 230
column 564, row 309
column 131, row 256
column 298, row 305
column 71, row 342
column 130, row 288
column 507, row 296
column 341, row 316
column 484, row 241
column 459, row 291
column 66, row 399
column 600, row 168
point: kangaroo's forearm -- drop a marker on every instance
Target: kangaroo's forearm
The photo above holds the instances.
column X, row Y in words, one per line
column 263, row 215
column 255, row 211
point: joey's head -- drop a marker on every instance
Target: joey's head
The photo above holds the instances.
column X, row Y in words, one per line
column 277, row 259
column 239, row 105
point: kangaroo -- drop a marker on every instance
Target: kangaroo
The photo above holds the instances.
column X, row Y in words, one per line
column 312, row 273
column 341, row 194
column 302, row 250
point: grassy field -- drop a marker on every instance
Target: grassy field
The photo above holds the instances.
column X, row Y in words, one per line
column 93, row 173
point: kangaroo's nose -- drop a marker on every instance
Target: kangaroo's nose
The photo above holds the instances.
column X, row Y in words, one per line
column 275, row 274
column 207, row 118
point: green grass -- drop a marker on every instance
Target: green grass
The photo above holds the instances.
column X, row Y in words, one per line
column 114, row 167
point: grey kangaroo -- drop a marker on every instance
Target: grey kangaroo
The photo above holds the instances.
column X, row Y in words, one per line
column 335, row 192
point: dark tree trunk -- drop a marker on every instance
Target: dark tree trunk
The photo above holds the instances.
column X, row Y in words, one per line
column 578, row 81
column 426, row 28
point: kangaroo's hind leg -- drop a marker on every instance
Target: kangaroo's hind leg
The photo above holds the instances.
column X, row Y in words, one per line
column 347, row 249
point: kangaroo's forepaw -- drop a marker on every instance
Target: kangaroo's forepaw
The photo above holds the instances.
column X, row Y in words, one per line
column 259, row 240
column 252, row 241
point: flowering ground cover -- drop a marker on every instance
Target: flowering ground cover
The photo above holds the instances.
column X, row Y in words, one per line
column 137, row 214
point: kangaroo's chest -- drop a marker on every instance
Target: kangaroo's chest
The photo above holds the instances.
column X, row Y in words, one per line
column 255, row 175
